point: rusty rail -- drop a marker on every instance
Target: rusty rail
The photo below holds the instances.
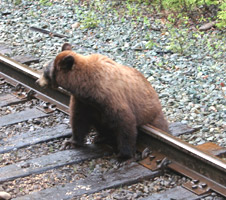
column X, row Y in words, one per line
column 17, row 74
column 185, row 158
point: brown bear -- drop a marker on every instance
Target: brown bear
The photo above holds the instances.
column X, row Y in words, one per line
column 112, row 98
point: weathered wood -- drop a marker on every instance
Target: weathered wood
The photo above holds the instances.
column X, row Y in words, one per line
column 26, row 59
column 125, row 175
column 51, row 161
column 178, row 128
column 34, row 137
column 47, row 32
column 207, row 26
column 5, row 49
column 21, row 116
column 6, row 12
column 174, row 193
column 9, row 99
column 213, row 149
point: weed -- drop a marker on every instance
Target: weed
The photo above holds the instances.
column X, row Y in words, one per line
column 99, row 5
column 51, row 149
column 17, row 2
column 221, row 15
column 75, row 169
column 90, row 20
column 178, row 41
column 92, row 165
column 45, row 2
column 32, row 13
column 150, row 42
column 132, row 9
column 146, row 21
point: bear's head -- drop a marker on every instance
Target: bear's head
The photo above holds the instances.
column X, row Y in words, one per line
column 62, row 63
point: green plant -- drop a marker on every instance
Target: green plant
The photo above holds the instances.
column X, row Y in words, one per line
column 179, row 41
column 32, row 13
column 92, row 165
column 51, row 149
column 146, row 21
column 17, row 2
column 221, row 15
column 99, row 5
column 195, row 10
column 132, row 9
column 90, row 20
column 150, row 44
column 45, row 2
column 147, row 2
column 75, row 169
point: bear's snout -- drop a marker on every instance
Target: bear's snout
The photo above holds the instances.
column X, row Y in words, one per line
column 42, row 81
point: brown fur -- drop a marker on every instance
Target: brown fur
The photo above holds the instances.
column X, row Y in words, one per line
column 113, row 98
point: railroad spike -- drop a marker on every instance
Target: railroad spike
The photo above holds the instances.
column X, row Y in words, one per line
column 151, row 157
column 158, row 161
column 164, row 162
column 194, row 187
column 195, row 181
column 2, row 81
column 18, row 87
column 145, row 153
column 31, row 94
column 204, row 185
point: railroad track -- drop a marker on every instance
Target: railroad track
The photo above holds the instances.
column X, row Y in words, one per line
column 204, row 165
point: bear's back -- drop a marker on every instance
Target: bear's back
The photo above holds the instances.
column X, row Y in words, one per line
column 126, row 85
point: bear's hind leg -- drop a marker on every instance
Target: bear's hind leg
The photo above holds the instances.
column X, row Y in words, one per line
column 105, row 136
column 126, row 133
column 161, row 123
column 126, row 141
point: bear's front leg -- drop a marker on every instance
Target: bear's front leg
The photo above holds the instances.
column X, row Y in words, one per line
column 126, row 141
column 80, row 119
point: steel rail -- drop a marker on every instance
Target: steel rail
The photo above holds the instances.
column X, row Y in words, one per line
column 186, row 155
column 16, row 73
column 208, row 167
column 180, row 145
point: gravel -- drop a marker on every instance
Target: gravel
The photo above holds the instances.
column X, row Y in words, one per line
column 71, row 173
column 30, row 152
column 140, row 190
column 5, row 88
column 17, row 108
column 190, row 78
column 32, row 124
column 190, row 85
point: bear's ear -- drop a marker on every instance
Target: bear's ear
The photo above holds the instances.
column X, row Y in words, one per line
column 67, row 62
column 66, row 46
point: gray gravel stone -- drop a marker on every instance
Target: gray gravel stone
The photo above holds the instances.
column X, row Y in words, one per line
column 190, row 86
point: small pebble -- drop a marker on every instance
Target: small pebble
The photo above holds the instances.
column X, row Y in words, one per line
column 4, row 195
